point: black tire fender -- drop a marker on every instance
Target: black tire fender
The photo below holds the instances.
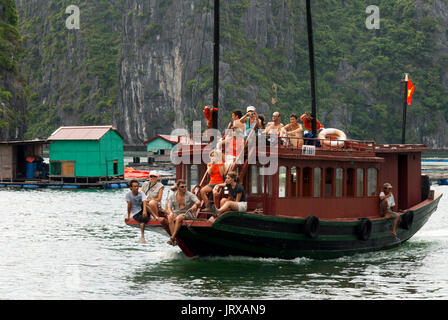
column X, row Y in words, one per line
column 364, row 229
column 312, row 227
column 407, row 219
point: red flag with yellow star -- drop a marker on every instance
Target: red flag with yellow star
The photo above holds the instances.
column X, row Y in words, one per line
column 410, row 91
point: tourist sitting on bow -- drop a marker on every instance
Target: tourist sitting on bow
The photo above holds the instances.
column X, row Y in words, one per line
column 236, row 198
column 182, row 205
column 387, row 203
column 136, row 201
column 293, row 130
column 216, row 170
column 153, row 190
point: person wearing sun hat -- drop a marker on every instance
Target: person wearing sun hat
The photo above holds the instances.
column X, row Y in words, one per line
column 250, row 119
column 153, row 190
column 387, row 203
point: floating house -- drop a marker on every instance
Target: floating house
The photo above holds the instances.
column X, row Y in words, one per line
column 21, row 160
column 160, row 146
column 86, row 154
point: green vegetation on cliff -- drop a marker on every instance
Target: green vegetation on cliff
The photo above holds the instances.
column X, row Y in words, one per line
column 10, row 40
column 359, row 71
column 73, row 73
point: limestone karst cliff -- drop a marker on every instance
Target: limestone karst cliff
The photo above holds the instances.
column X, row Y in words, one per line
column 12, row 93
column 146, row 66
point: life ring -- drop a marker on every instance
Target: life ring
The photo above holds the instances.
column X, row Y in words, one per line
column 364, row 229
column 327, row 136
column 407, row 219
column 312, row 226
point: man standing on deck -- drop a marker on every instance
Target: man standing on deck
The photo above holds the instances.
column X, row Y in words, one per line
column 136, row 200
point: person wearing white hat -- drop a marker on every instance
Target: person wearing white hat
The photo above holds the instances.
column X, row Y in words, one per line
column 153, row 190
column 250, row 119
column 387, row 203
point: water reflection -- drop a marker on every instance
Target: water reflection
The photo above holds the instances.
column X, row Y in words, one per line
column 367, row 275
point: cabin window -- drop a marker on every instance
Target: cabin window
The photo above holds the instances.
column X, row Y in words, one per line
column 55, row 168
column 360, row 182
column 329, row 176
column 317, row 182
column 339, row 181
column 254, row 179
column 294, row 185
column 350, row 182
column 282, row 182
column 306, row 182
column 372, row 174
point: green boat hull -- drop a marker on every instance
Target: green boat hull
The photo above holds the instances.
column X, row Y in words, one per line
column 247, row 234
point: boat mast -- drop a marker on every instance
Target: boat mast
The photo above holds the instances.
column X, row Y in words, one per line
column 405, row 106
column 216, row 65
column 312, row 68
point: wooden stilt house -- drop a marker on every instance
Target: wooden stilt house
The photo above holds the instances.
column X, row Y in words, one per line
column 15, row 156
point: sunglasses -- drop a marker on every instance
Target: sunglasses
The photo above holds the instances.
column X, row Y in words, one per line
column 182, row 187
column 153, row 176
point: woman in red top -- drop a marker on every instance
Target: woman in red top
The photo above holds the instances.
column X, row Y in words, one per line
column 216, row 169
column 306, row 119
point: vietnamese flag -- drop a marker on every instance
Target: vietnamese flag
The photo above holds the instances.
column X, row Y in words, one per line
column 410, row 91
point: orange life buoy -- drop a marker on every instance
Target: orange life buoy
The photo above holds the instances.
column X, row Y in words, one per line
column 332, row 137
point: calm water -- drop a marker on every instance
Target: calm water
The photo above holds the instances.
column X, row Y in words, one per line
column 57, row 244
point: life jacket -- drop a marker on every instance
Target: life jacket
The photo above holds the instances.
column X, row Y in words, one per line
column 208, row 113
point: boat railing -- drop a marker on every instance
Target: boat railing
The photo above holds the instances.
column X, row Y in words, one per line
column 327, row 144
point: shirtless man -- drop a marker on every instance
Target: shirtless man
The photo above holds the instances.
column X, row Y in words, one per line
column 274, row 126
column 293, row 129
column 182, row 205
column 236, row 123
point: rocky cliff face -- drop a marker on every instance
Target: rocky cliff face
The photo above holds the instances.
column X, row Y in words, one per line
column 146, row 66
column 12, row 93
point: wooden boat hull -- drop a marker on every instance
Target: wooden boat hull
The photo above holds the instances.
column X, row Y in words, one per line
column 247, row 234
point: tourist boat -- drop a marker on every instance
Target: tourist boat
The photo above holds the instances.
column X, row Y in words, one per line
column 322, row 202
column 319, row 205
